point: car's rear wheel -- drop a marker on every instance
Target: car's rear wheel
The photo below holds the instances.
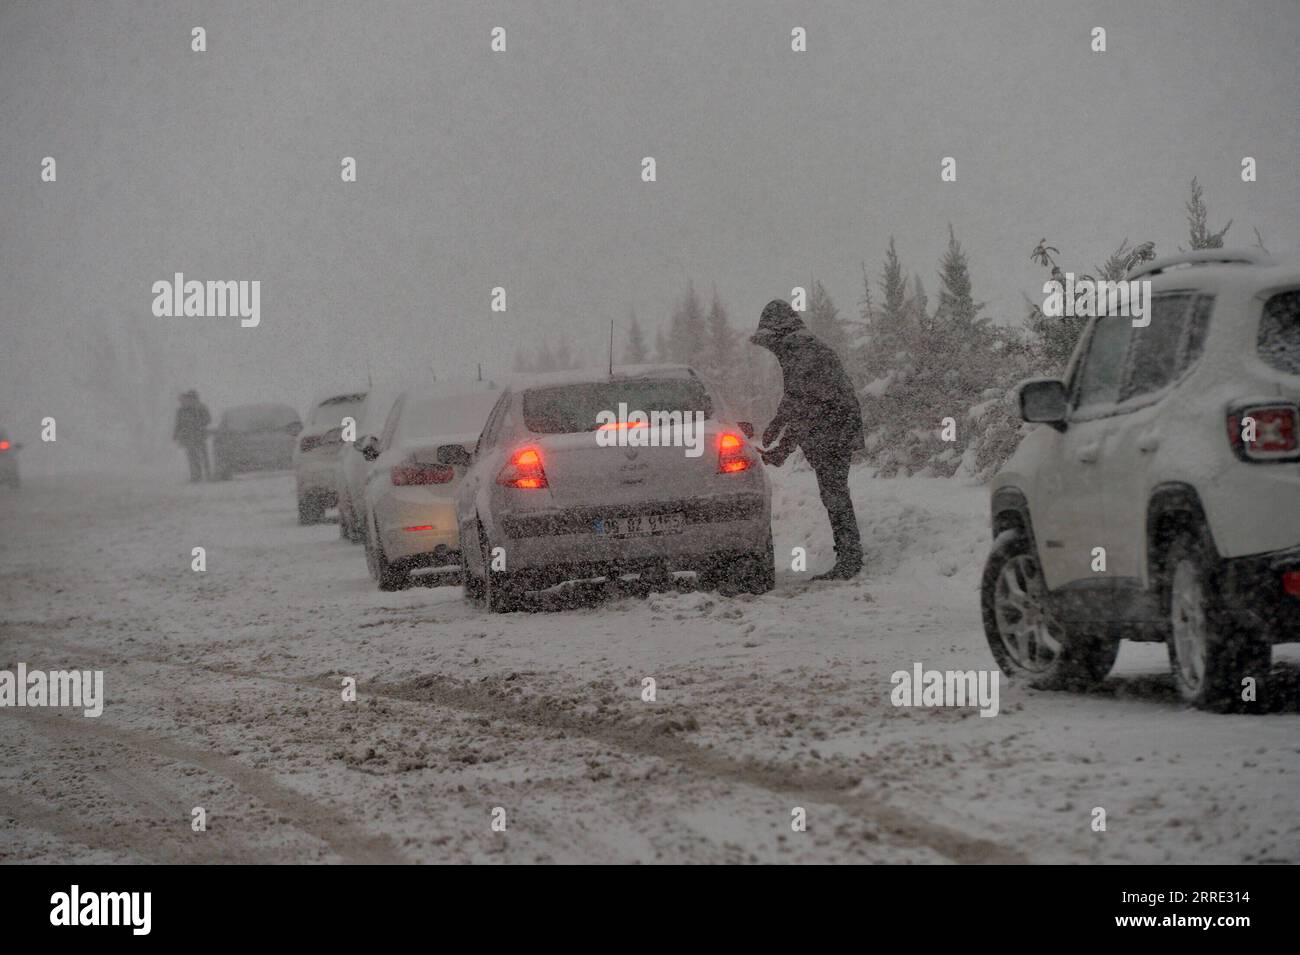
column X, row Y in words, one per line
column 742, row 573
column 1211, row 660
column 311, row 509
column 389, row 576
column 502, row 591
column 1026, row 638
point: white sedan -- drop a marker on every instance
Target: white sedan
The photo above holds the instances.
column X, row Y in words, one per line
column 591, row 474
column 410, row 511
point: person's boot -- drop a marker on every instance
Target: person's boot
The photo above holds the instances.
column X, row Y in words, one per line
column 848, row 562
column 843, row 570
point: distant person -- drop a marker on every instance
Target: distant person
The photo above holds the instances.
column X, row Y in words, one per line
column 191, row 433
column 819, row 412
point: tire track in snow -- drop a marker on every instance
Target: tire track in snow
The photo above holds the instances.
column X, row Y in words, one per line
column 653, row 739
column 340, row 835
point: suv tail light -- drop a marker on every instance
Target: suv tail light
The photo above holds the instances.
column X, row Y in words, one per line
column 4, row 445
column 1276, row 432
column 524, row 470
column 410, row 473
column 731, row 453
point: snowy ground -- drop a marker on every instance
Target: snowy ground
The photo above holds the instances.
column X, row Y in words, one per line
column 223, row 692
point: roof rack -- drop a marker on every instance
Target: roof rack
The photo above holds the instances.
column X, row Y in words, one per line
column 1201, row 257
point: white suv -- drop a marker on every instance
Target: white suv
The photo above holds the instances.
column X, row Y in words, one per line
column 316, row 451
column 1160, row 501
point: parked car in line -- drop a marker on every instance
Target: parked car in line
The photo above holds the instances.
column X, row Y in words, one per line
column 1160, row 500
column 351, row 466
column 317, row 449
column 409, row 496
column 256, row 437
column 547, row 498
column 9, row 461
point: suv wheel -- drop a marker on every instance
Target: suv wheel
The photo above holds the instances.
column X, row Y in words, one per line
column 1209, row 657
column 1026, row 638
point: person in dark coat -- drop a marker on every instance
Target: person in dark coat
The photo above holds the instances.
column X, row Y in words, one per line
column 819, row 412
column 191, row 433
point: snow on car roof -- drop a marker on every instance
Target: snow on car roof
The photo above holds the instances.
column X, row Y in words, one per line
column 339, row 394
column 584, row 376
column 1235, row 267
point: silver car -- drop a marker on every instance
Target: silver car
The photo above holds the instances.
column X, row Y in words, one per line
column 316, row 451
column 584, row 475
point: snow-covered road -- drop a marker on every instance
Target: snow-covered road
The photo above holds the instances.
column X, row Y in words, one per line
column 223, row 692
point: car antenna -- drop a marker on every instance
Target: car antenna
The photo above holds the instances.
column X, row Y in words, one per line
column 480, row 371
column 611, row 348
column 369, row 383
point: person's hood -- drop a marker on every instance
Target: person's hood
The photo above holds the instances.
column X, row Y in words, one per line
column 777, row 321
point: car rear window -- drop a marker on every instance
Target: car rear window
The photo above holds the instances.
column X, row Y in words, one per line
column 567, row 409
column 259, row 418
column 330, row 412
column 1279, row 332
column 454, row 414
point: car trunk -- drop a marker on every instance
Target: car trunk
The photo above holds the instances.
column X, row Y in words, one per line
column 579, row 472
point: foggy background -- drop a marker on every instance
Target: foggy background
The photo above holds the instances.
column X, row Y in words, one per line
column 522, row 170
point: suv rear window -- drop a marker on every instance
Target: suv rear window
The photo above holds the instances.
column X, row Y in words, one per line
column 567, row 409
column 1279, row 332
column 259, row 418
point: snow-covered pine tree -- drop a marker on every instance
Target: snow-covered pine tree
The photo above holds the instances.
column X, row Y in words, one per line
column 687, row 334
column 719, row 360
column 1199, row 232
column 893, row 285
column 823, row 318
column 634, row 352
column 957, row 305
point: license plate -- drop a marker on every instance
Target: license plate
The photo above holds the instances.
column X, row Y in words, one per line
column 640, row 526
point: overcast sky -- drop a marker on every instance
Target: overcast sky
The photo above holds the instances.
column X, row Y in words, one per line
column 522, row 169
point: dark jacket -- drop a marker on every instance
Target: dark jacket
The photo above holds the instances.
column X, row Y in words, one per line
column 819, row 408
column 192, row 420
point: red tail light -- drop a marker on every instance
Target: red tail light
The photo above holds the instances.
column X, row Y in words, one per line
column 410, row 473
column 1276, row 432
column 4, row 445
column 524, row 470
column 731, row 453
column 1291, row 582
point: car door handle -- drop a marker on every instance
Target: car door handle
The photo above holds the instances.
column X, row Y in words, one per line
column 1148, row 443
column 1089, row 453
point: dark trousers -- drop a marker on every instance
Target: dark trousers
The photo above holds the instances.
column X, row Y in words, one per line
column 832, row 470
column 197, row 452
